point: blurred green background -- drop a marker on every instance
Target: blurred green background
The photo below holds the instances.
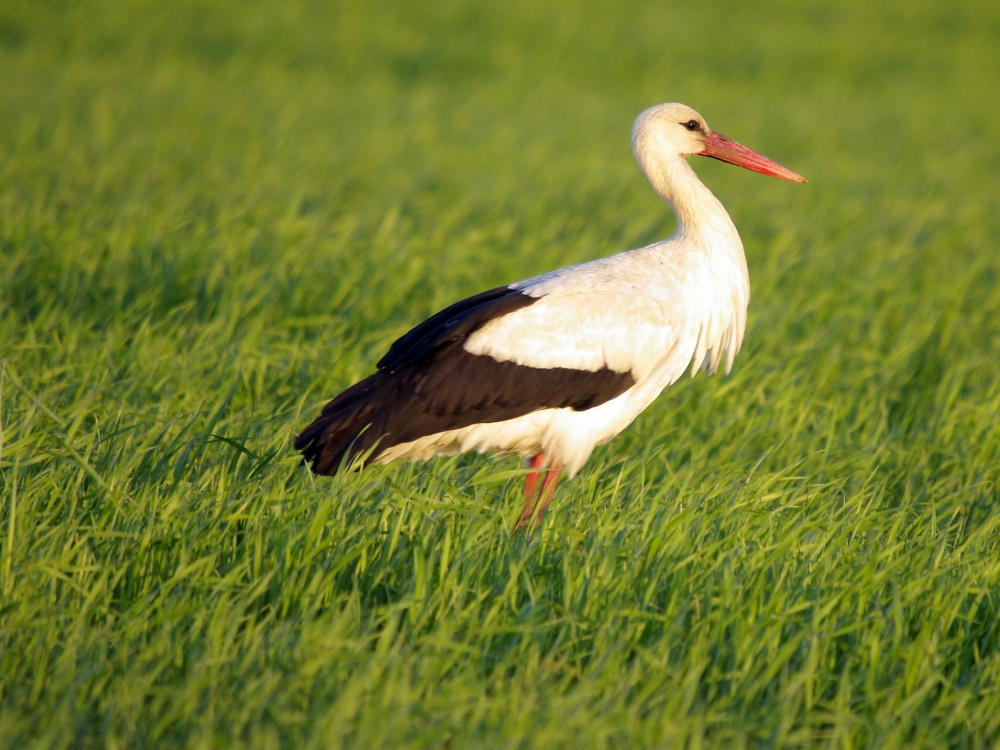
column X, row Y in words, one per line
column 215, row 215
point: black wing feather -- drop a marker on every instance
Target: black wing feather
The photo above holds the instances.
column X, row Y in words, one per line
column 454, row 323
column 428, row 383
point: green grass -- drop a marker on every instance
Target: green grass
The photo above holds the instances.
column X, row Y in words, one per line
column 213, row 216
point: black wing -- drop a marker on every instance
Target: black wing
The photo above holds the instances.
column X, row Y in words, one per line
column 428, row 383
column 454, row 323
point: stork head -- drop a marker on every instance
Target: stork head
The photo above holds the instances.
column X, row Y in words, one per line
column 676, row 129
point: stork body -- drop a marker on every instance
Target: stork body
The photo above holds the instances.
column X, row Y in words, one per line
column 555, row 365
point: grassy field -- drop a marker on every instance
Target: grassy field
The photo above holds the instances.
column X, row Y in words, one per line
column 213, row 216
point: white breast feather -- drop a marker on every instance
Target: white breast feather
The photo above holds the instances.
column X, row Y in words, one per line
column 644, row 312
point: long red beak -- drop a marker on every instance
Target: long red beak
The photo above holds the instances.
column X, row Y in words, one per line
column 721, row 148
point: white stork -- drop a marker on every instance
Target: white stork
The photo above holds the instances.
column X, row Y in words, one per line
column 553, row 366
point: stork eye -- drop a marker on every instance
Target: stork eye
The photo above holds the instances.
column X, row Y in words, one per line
column 691, row 125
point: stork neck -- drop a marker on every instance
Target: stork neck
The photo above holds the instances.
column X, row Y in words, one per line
column 700, row 215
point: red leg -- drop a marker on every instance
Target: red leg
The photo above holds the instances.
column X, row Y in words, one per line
column 548, row 490
column 530, row 487
column 531, row 481
column 539, row 500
